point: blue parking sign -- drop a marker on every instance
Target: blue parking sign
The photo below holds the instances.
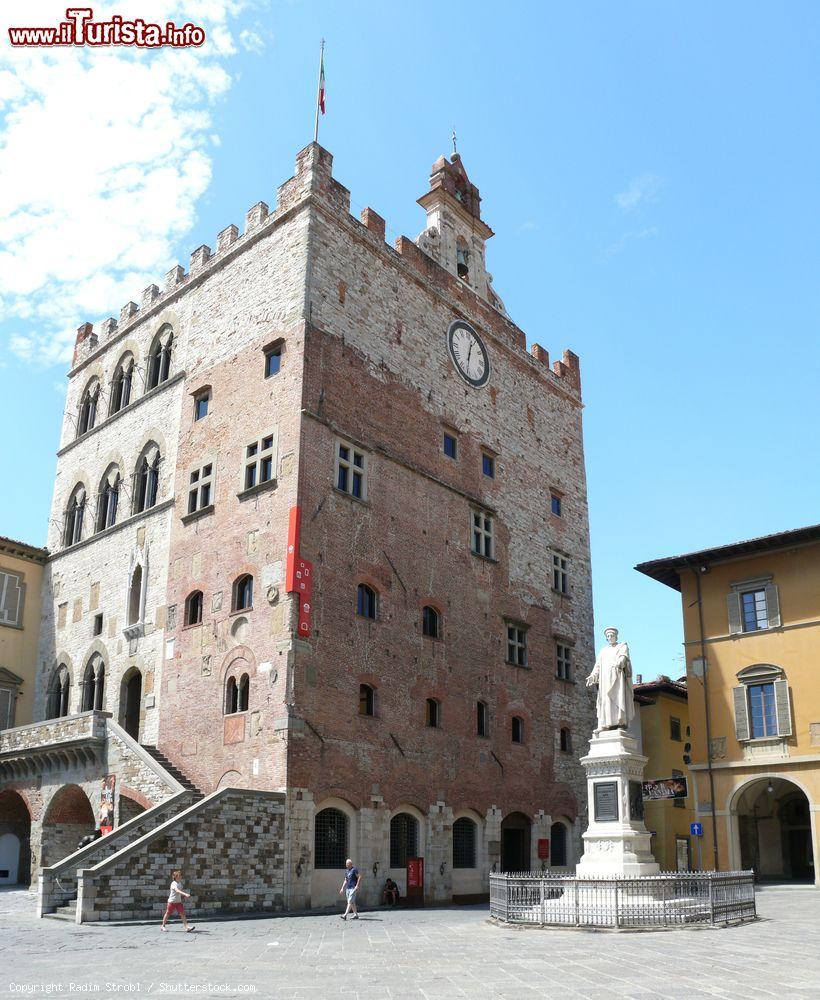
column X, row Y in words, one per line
column 696, row 829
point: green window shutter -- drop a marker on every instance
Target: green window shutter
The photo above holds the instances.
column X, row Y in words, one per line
column 781, row 701
column 772, row 606
column 735, row 620
column 741, row 712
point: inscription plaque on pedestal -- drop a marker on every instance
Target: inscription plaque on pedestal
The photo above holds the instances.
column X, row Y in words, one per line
column 606, row 801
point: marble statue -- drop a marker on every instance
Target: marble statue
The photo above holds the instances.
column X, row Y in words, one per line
column 613, row 675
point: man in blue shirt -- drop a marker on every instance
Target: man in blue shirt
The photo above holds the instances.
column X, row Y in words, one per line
column 350, row 886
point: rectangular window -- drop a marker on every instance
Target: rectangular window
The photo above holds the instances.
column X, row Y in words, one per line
column 98, row 624
column 674, row 729
column 762, row 711
column 754, row 611
column 259, row 462
column 482, row 719
column 560, row 574
column 488, row 465
column 351, row 470
column 563, row 661
column 450, row 446
column 201, row 405
column 555, row 504
column 273, row 360
column 199, row 488
column 11, row 599
column 482, row 535
column 517, row 645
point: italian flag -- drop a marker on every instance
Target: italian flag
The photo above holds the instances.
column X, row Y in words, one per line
column 321, row 97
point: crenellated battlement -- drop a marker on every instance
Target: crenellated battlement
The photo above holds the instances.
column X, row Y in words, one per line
column 313, row 178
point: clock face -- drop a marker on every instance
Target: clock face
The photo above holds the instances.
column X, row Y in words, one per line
column 468, row 353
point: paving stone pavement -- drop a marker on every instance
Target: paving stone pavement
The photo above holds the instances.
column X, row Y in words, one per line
column 434, row 954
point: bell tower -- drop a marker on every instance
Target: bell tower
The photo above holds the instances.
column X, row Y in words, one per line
column 456, row 235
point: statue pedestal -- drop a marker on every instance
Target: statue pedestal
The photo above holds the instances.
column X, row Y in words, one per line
column 616, row 842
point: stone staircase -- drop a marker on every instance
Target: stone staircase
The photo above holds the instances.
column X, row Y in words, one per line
column 173, row 770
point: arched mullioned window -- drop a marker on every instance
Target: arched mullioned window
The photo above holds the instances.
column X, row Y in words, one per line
column 108, row 499
column 94, row 684
column 59, row 690
column 431, row 622
column 159, row 359
column 231, row 697
column 146, row 479
column 74, row 516
column 87, row 415
column 193, row 608
column 330, row 839
column 122, row 383
column 244, row 688
column 243, row 593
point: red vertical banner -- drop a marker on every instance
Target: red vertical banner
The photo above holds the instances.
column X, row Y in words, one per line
column 299, row 576
column 543, row 849
column 415, row 881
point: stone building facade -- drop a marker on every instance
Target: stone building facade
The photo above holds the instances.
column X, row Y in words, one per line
column 369, row 414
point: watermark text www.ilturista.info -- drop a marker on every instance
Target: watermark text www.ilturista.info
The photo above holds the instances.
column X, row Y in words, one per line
column 80, row 28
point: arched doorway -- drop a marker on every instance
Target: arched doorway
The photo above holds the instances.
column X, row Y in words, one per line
column 131, row 702
column 68, row 819
column 774, row 830
column 515, row 843
column 15, row 839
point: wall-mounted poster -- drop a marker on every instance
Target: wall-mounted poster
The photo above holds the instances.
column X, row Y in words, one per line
column 606, row 801
column 665, row 788
column 107, row 803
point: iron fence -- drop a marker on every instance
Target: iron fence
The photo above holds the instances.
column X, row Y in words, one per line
column 666, row 900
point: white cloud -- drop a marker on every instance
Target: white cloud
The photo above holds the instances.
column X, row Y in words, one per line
column 631, row 237
column 528, row 226
column 251, row 40
column 103, row 156
column 641, row 189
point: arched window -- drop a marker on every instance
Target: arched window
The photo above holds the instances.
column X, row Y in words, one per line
column 432, row 713
column 431, row 622
column 558, row 845
column 147, row 480
column 74, row 515
column 87, row 416
column 231, row 697
column 482, row 719
column 193, row 608
column 404, row 839
column 365, row 601
column 59, row 689
column 159, row 359
column 94, row 684
column 464, row 841
column 330, row 839
column 243, row 593
column 462, row 259
column 367, row 700
column 121, row 384
column 517, row 729
column 244, row 692
column 566, row 740
column 108, row 499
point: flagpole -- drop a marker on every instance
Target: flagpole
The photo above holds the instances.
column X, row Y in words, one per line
column 319, row 91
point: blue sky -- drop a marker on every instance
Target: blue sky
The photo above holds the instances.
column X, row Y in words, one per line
column 650, row 171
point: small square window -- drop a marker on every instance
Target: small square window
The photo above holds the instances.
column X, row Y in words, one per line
column 273, row 361
column 201, row 404
column 488, row 465
column 450, row 446
column 98, row 624
column 555, row 504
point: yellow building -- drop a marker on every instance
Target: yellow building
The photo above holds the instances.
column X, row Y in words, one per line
column 21, row 574
column 662, row 711
column 751, row 619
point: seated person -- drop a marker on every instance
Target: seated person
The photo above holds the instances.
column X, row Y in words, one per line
column 390, row 893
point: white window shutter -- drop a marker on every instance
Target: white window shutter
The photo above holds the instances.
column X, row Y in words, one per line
column 735, row 620
column 784, row 714
column 741, row 712
column 772, row 606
